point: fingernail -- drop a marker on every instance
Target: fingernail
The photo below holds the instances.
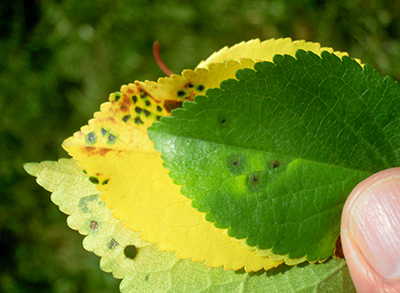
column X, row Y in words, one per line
column 375, row 225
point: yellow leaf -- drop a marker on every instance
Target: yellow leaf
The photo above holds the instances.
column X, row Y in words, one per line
column 118, row 156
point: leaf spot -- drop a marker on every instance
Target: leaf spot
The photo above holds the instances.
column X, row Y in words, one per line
column 94, row 180
column 138, row 120
column 138, row 110
column 112, row 243
column 94, row 225
column 236, row 163
column 170, row 105
column 111, row 139
column 126, row 118
column 91, row 138
column 181, row 93
column 130, row 251
column 275, row 164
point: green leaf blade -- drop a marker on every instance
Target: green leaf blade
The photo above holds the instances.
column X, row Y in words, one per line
column 305, row 131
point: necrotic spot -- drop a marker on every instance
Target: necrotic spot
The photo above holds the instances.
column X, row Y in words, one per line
column 104, row 182
column 130, row 251
column 181, row 93
column 117, row 97
column 159, row 109
column 138, row 120
column 275, row 164
column 255, row 181
column 147, row 113
column 147, row 102
column 134, row 99
column 200, row 88
column 111, row 139
column 170, row 105
column 236, row 163
column 126, row 118
column 138, row 110
column 94, row 180
column 112, row 243
column 103, row 131
column 94, row 225
column 143, row 94
column 91, row 138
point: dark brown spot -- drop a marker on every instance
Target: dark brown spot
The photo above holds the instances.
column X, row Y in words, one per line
column 130, row 251
column 138, row 110
column 200, row 88
column 180, row 93
column 275, row 164
column 147, row 113
column 126, row 118
column 159, row 109
column 105, row 182
column 147, row 102
column 134, row 99
column 94, row 180
column 138, row 120
column 170, row 105
column 143, row 93
column 338, row 249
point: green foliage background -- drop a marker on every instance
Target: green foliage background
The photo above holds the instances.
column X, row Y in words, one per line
column 60, row 59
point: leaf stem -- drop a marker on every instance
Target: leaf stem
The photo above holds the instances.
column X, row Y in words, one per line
column 157, row 57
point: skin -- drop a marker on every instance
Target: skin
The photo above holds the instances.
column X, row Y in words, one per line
column 370, row 233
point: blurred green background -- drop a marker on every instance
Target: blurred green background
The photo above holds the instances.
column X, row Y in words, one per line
column 59, row 60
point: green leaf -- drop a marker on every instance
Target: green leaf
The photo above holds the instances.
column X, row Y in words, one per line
column 143, row 268
column 273, row 155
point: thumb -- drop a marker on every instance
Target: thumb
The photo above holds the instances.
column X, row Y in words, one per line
column 370, row 233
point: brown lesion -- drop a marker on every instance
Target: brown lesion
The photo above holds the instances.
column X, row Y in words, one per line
column 125, row 103
column 95, row 150
column 143, row 93
column 338, row 253
column 170, row 105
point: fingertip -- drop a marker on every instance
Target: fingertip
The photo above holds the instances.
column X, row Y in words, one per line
column 370, row 232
